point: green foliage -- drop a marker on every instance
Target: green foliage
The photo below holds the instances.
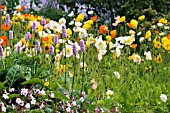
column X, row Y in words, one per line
column 33, row 81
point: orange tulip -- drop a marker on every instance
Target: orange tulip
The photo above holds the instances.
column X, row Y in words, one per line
column 113, row 33
column 4, row 39
column 103, row 29
column 58, row 34
column 22, row 7
column 94, row 18
column 2, row 7
column 6, row 28
column 168, row 36
column 134, row 46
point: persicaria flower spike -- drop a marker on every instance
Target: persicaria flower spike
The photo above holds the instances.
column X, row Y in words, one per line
column 34, row 26
column 82, row 46
column 18, row 48
column 27, row 36
column 51, row 51
column 43, row 22
column 74, row 49
column 1, row 51
column 55, row 39
column 38, row 46
column 7, row 20
column 11, row 36
column 64, row 31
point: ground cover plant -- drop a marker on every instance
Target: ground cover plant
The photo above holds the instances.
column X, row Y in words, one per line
column 75, row 64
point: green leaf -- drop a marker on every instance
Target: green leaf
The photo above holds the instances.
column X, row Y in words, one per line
column 39, row 72
column 59, row 95
column 33, row 81
column 2, row 86
column 13, row 96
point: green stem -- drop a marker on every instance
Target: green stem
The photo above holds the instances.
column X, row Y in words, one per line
column 73, row 77
column 82, row 74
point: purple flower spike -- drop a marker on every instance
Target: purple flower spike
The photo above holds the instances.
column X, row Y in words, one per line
column 18, row 48
column 11, row 36
column 7, row 20
column 1, row 51
column 74, row 49
column 64, row 32
column 38, row 46
column 34, row 26
column 55, row 39
column 51, row 51
column 43, row 22
column 27, row 36
column 82, row 46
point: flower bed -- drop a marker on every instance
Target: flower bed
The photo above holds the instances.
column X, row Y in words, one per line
column 77, row 65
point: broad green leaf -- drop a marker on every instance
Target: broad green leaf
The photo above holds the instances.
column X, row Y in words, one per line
column 33, row 81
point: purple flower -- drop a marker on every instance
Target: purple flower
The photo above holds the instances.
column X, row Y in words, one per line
column 34, row 26
column 82, row 46
column 18, row 48
column 7, row 20
column 51, row 50
column 11, row 34
column 27, row 36
column 75, row 52
column 83, row 94
column 64, row 32
column 43, row 22
column 1, row 51
column 38, row 46
column 55, row 39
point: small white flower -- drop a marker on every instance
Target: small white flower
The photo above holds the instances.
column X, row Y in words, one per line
column 141, row 39
column 137, row 58
column 100, row 44
column 163, row 97
column 160, row 24
column 81, row 99
column 139, row 33
column 37, row 91
column 78, row 24
column 5, row 96
column 131, row 32
column 1, row 104
column 42, row 92
column 68, row 109
column 90, row 12
column 3, row 108
column 42, row 105
column 117, row 74
column 18, row 100
column 162, row 33
column 71, row 23
column 166, row 27
column 81, row 65
column 21, row 103
column 148, row 55
column 33, row 102
column 68, row 51
column 153, row 27
column 100, row 57
column 27, row 106
column 11, row 90
column 109, row 93
column 24, row 91
column 62, row 21
column 74, row 103
column 71, row 14
column 51, row 95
